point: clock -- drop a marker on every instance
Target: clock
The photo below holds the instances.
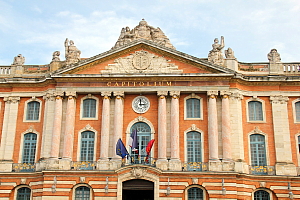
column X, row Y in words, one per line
column 140, row 104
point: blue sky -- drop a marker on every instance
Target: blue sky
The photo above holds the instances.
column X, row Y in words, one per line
column 36, row 29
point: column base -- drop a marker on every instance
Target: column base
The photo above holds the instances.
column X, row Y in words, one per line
column 6, row 165
column 162, row 164
column 215, row 165
column 175, row 165
column 228, row 165
column 288, row 169
column 58, row 164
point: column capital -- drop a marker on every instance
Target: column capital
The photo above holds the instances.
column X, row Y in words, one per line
column 58, row 93
column 49, row 96
column 175, row 94
column 212, row 93
column 225, row 94
column 71, row 94
column 119, row 93
column 106, row 94
column 162, row 93
column 236, row 95
column 11, row 99
column 275, row 99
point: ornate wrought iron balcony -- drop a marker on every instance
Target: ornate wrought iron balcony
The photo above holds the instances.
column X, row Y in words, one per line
column 23, row 167
column 262, row 170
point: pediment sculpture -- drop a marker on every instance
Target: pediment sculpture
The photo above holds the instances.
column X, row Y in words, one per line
column 215, row 56
column 141, row 62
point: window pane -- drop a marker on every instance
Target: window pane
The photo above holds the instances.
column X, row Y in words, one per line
column 33, row 110
column 82, row 193
column 87, row 146
column 261, row 195
column 258, row 150
column 23, row 193
column 195, row 194
column 297, row 111
column 193, row 108
column 89, row 108
column 255, row 111
column 29, row 148
column 194, row 147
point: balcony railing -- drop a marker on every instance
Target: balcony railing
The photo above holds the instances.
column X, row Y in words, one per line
column 142, row 160
column 83, row 165
column 23, row 167
column 194, row 166
column 262, row 170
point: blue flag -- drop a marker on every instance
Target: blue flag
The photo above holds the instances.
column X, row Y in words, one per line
column 120, row 149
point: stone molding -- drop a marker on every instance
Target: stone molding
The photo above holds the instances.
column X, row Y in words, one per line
column 175, row 94
column 49, row 96
column 140, row 119
column 193, row 128
column 278, row 99
column 225, row 93
column 162, row 93
column 212, row 93
column 237, row 95
column 141, row 62
column 71, row 94
column 106, row 93
column 11, row 99
column 119, row 93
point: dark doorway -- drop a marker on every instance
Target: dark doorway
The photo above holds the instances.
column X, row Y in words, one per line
column 138, row 189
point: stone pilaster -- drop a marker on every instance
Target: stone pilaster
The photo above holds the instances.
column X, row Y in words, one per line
column 162, row 162
column 103, row 163
column 56, row 132
column 8, row 132
column 237, row 139
column 70, row 122
column 118, row 125
column 175, row 163
column 284, row 162
column 48, row 124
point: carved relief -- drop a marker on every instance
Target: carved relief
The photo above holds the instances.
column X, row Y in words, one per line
column 141, row 62
column 138, row 172
column 144, row 31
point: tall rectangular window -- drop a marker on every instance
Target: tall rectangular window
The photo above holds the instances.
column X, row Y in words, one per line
column 258, row 150
column 255, row 111
column 87, row 146
column 89, row 108
column 29, row 148
column 193, row 108
column 33, row 110
column 194, row 147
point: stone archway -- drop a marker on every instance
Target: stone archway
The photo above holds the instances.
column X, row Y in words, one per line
column 138, row 189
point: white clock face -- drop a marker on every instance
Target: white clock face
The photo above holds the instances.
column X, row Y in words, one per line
column 140, row 104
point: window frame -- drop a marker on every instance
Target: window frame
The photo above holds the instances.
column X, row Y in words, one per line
column 30, row 130
column 263, row 189
column 19, row 187
column 82, row 185
column 262, row 107
column 80, row 152
column 26, row 110
column 297, row 121
column 195, row 186
column 86, row 128
column 195, row 129
column 89, row 96
column 193, row 96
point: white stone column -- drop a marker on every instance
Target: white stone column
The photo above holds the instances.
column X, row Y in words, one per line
column 284, row 162
column 175, row 163
column 162, row 162
column 212, row 126
column 237, row 139
column 9, row 128
column 226, row 128
column 105, row 126
column 118, row 121
column 69, row 129
column 48, row 124
column 56, row 126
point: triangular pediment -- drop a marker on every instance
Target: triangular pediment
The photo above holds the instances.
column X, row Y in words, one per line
column 142, row 57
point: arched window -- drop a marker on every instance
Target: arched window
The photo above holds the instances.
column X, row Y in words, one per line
column 195, row 193
column 255, row 111
column 87, row 146
column 194, row 147
column 143, row 137
column 82, row 193
column 33, row 110
column 297, row 111
column 89, row 108
column 193, row 108
column 23, row 193
column 258, row 150
column 261, row 195
column 29, row 148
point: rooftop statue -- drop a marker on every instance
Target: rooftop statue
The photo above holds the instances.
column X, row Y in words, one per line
column 215, row 55
column 274, row 56
column 143, row 30
column 229, row 53
column 19, row 60
column 72, row 54
column 55, row 56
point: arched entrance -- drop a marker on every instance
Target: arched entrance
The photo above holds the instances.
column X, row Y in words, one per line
column 138, row 189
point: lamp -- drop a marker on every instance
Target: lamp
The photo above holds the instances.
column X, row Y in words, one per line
column 291, row 195
column 223, row 188
column 106, row 187
column 168, row 188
